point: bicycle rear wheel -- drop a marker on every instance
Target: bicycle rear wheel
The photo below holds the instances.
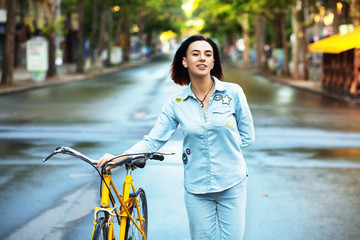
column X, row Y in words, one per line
column 132, row 233
column 101, row 230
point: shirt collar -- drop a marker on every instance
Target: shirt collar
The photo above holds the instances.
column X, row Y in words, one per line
column 219, row 86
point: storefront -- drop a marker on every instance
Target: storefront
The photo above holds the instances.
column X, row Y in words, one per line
column 340, row 63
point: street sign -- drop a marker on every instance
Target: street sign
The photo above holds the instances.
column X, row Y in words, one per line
column 3, row 15
column 37, row 58
column 37, row 55
column 116, row 55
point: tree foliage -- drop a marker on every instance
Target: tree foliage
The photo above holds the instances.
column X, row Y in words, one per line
column 151, row 17
column 163, row 15
column 225, row 20
column 221, row 20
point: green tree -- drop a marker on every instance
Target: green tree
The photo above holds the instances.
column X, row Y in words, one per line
column 268, row 21
column 221, row 20
column 226, row 20
column 103, row 27
column 150, row 17
column 162, row 15
column 278, row 18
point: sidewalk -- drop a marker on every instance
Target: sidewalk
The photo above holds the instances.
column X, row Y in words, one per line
column 66, row 74
column 306, row 85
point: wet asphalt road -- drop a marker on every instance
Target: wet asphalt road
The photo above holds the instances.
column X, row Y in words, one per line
column 304, row 167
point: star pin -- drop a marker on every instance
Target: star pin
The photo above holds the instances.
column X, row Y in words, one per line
column 226, row 100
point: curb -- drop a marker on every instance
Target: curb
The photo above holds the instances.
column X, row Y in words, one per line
column 28, row 84
column 316, row 90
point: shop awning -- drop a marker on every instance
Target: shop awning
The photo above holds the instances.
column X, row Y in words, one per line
column 337, row 43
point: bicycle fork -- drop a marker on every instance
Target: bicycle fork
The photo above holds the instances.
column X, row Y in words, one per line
column 105, row 206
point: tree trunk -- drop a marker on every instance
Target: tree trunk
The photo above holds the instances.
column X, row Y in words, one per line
column 336, row 22
column 278, row 28
column 305, row 9
column 141, row 25
column 94, row 28
column 296, row 29
column 52, row 40
column 80, row 60
column 127, row 36
column 108, row 41
column 284, row 42
column 118, row 29
column 8, row 58
column 101, row 35
column 246, row 37
column 260, row 41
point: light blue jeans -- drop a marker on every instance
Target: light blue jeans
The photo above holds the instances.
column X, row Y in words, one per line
column 218, row 215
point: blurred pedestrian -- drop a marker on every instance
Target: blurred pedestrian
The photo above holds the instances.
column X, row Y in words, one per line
column 217, row 124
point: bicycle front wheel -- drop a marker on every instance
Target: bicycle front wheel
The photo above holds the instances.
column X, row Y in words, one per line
column 101, row 230
column 132, row 233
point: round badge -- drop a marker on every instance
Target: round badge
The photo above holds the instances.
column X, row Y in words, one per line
column 185, row 158
column 217, row 97
column 188, row 151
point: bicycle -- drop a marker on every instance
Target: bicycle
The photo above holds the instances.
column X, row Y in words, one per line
column 132, row 214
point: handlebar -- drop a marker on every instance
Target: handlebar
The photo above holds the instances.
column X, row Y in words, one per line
column 137, row 159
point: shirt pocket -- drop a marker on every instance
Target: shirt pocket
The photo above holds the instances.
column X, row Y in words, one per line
column 224, row 117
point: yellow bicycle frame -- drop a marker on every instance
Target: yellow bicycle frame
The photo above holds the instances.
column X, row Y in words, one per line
column 126, row 203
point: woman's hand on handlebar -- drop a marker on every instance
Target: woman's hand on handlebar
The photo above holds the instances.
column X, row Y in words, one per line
column 106, row 158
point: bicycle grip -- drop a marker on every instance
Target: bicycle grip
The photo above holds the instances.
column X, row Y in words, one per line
column 57, row 150
column 48, row 157
column 157, row 156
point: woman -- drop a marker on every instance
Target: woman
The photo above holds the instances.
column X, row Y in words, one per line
column 217, row 124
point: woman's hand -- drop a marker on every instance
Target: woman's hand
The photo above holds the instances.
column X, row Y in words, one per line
column 106, row 158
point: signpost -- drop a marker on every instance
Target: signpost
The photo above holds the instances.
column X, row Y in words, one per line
column 37, row 58
column 116, row 55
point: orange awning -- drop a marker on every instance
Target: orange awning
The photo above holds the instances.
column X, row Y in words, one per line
column 337, row 43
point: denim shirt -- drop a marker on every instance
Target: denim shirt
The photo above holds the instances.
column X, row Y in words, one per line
column 212, row 147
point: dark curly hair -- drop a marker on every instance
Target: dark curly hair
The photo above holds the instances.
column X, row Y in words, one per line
column 179, row 74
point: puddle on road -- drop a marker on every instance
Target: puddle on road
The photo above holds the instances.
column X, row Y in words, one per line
column 12, row 148
column 307, row 157
column 351, row 154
